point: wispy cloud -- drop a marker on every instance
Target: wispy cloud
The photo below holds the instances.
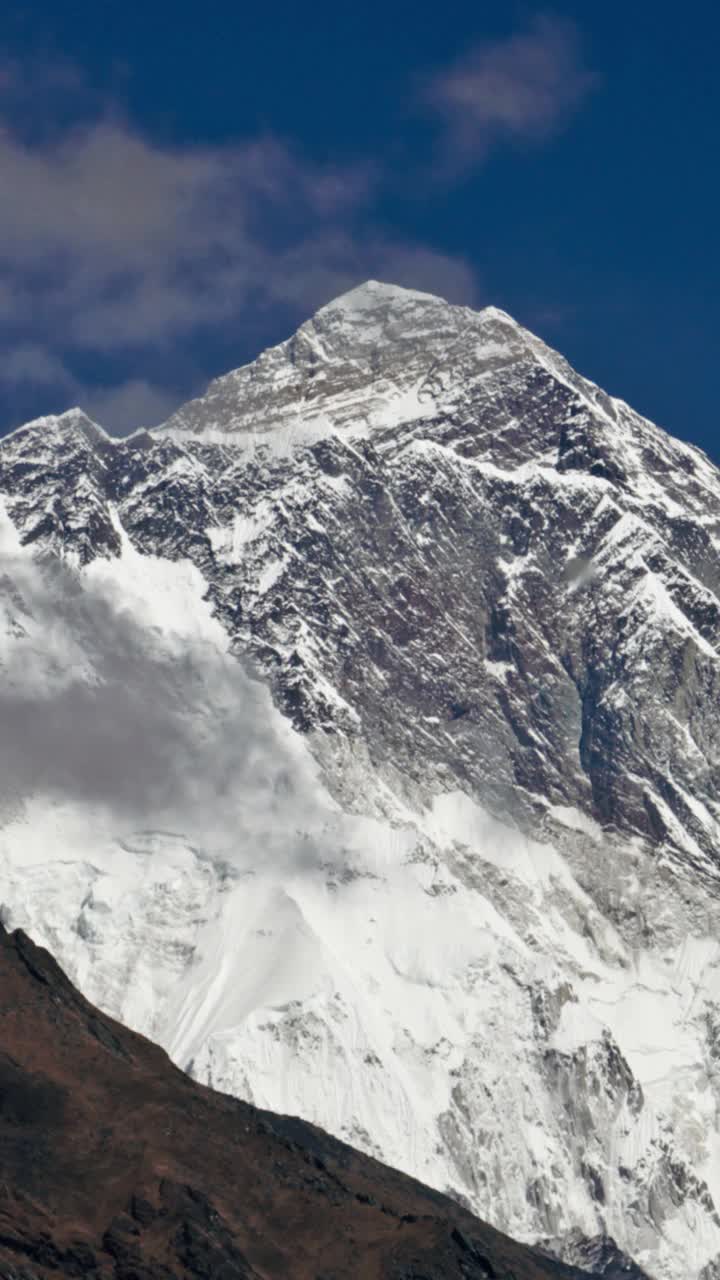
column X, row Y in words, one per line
column 126, row 242
column 113, row 244
column 28, row 364
column 128, row 405
column 524, row 87
column 120, row 407
column 121, row 254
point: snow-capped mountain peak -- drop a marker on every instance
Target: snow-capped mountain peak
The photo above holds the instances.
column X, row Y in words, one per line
column 59, row 425
column 468, row 818
column 362, row 362
column 373, row 294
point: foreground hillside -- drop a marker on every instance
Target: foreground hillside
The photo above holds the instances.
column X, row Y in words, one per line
column 114, row 1164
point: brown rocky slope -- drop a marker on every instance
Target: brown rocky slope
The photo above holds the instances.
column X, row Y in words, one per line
column 113, row 1163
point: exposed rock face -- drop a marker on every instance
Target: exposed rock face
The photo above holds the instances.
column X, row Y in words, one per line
column 477, row 586
column 114, row 1164
column 478, row 541
column 600, row 1256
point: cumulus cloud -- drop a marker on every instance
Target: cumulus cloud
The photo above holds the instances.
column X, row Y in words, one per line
column 524, row 87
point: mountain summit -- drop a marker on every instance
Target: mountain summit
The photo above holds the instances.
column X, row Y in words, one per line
column 364, row 752
column 361, row 362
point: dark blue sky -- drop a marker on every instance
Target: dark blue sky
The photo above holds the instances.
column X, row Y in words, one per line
column 182, row 185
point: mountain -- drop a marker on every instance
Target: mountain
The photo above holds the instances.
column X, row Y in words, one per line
column 115, row 1164
column 362, row 749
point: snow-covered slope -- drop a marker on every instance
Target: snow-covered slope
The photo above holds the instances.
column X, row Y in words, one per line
column 451, row 891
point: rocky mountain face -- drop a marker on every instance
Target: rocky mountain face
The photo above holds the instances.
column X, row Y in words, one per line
column 598, row 1256
column 115, row 1164
column 451, row 889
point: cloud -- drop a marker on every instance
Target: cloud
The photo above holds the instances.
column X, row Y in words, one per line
column 125, row 242
column 111, row 242
column 101, row 709
column 320, row 269
column 43, row 94
column 115, row 246
column 35, row 371
column 34, row 365
column 128, row 405
column 524, row 87
column 125, row 262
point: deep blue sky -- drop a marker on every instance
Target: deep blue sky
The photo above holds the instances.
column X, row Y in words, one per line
column 586, row 204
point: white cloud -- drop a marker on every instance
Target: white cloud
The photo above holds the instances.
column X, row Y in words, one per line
column 526, row 86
